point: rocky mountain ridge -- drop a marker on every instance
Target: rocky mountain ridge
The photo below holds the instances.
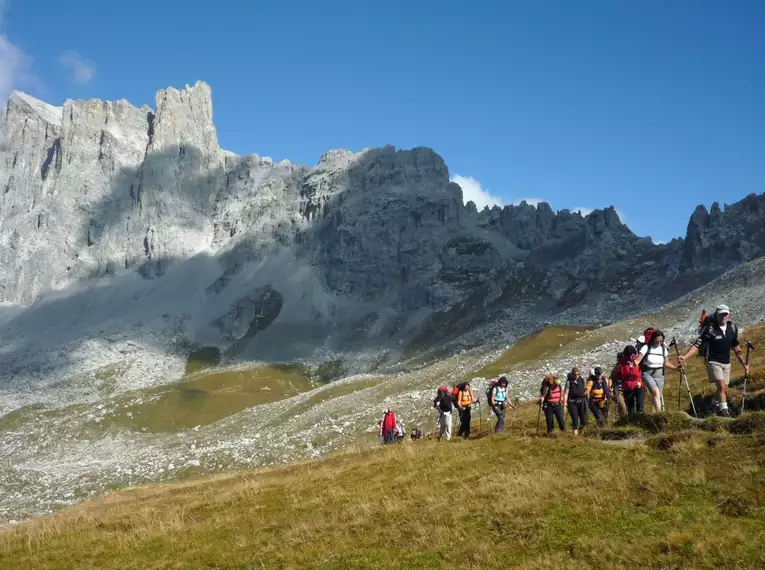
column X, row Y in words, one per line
column 129, row 232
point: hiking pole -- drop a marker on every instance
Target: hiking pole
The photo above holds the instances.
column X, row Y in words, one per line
column 680, row 383
column 688, row 387
column 749, row 346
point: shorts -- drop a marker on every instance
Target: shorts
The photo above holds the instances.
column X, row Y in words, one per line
column 718, row 372
column 653, row 378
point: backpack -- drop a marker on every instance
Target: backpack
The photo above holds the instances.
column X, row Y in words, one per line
column 445, row 403
column 630, row 376
column 490, row 389
column 646, row 338
column 707, row 331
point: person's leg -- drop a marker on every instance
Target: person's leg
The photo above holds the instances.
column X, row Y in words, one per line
column 560, row 417
column 652, row 389
column 583, row 413
column 573, row 411
column 461, row 429
column 466, row 417
column 620, row 401
column 640, row 399
column 549, row 419
column 605, row 413
column 595, row 409
column 500, row 411
column 448, row 428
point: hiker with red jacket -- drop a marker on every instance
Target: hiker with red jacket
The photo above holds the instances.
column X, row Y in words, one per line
column 551, row 401
column 388, row 426
column 629, row 376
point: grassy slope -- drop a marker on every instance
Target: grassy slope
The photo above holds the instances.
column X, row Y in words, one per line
column 688, row 497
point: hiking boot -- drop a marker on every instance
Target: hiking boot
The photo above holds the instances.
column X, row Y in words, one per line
column 724, row 413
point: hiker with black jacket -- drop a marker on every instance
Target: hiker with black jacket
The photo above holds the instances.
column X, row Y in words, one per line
column 574, row 399
column 444, row 404
column 718, row 336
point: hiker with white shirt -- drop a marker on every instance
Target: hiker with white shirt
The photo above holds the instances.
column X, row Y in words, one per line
column 652, row 359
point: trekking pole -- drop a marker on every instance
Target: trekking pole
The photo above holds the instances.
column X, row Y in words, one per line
column 680, row 383
column 688, row 387
column 749, row 346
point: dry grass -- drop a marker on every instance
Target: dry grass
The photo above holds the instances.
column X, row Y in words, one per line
column 209, row 396
column 542, row 344
column 483, row 503
column 690, row 497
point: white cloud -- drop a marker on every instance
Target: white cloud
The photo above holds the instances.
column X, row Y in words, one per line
column 472, row 190
column 82, row 70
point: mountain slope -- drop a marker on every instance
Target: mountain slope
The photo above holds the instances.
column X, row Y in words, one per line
column 218, row 420
column 128, row 234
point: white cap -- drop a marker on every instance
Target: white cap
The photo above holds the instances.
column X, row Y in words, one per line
column 722, row 309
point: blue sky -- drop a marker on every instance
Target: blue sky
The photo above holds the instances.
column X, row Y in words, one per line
column 653, row 106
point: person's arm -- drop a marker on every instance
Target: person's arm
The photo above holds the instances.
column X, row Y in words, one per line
column 545, row 390
column 565, row 394
column 668, row 364
column 493, row 397
column 740, row 354
column 641, row 354
column 587, row 388
column 691, row 351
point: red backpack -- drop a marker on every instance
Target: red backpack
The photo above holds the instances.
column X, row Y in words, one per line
column 630, row 376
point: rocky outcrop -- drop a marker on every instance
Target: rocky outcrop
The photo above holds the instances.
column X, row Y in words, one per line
column 194, row 242
column 720, row 239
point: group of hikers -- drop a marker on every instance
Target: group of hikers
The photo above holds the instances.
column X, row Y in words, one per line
column 639, row 370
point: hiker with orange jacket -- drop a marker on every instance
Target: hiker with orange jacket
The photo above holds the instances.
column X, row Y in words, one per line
column 465, row 400
column 551, row 401
column 599, row 396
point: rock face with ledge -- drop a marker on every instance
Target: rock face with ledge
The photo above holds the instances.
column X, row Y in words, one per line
column 132, row 224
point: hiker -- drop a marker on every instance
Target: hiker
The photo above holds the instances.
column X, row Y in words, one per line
column 443, row 403
column 628, row 375
column 416, row 433
column 599, row 396
column 574, row 399
column 550, row 400
column 718, row 336
column 499, row 402
column 465, row 400
column 388, row 427
column 651, row 359
column 400, row 431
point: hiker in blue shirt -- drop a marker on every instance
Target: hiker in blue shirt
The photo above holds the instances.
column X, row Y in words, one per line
column 499, row 403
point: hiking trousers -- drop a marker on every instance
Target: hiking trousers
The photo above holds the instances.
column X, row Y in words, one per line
column 635, row 400
column 445, row 425
column 499, row 411
column 389, row 436
column 554, row 411
column 601, row 414
column 464, row 422
column 577, row 409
